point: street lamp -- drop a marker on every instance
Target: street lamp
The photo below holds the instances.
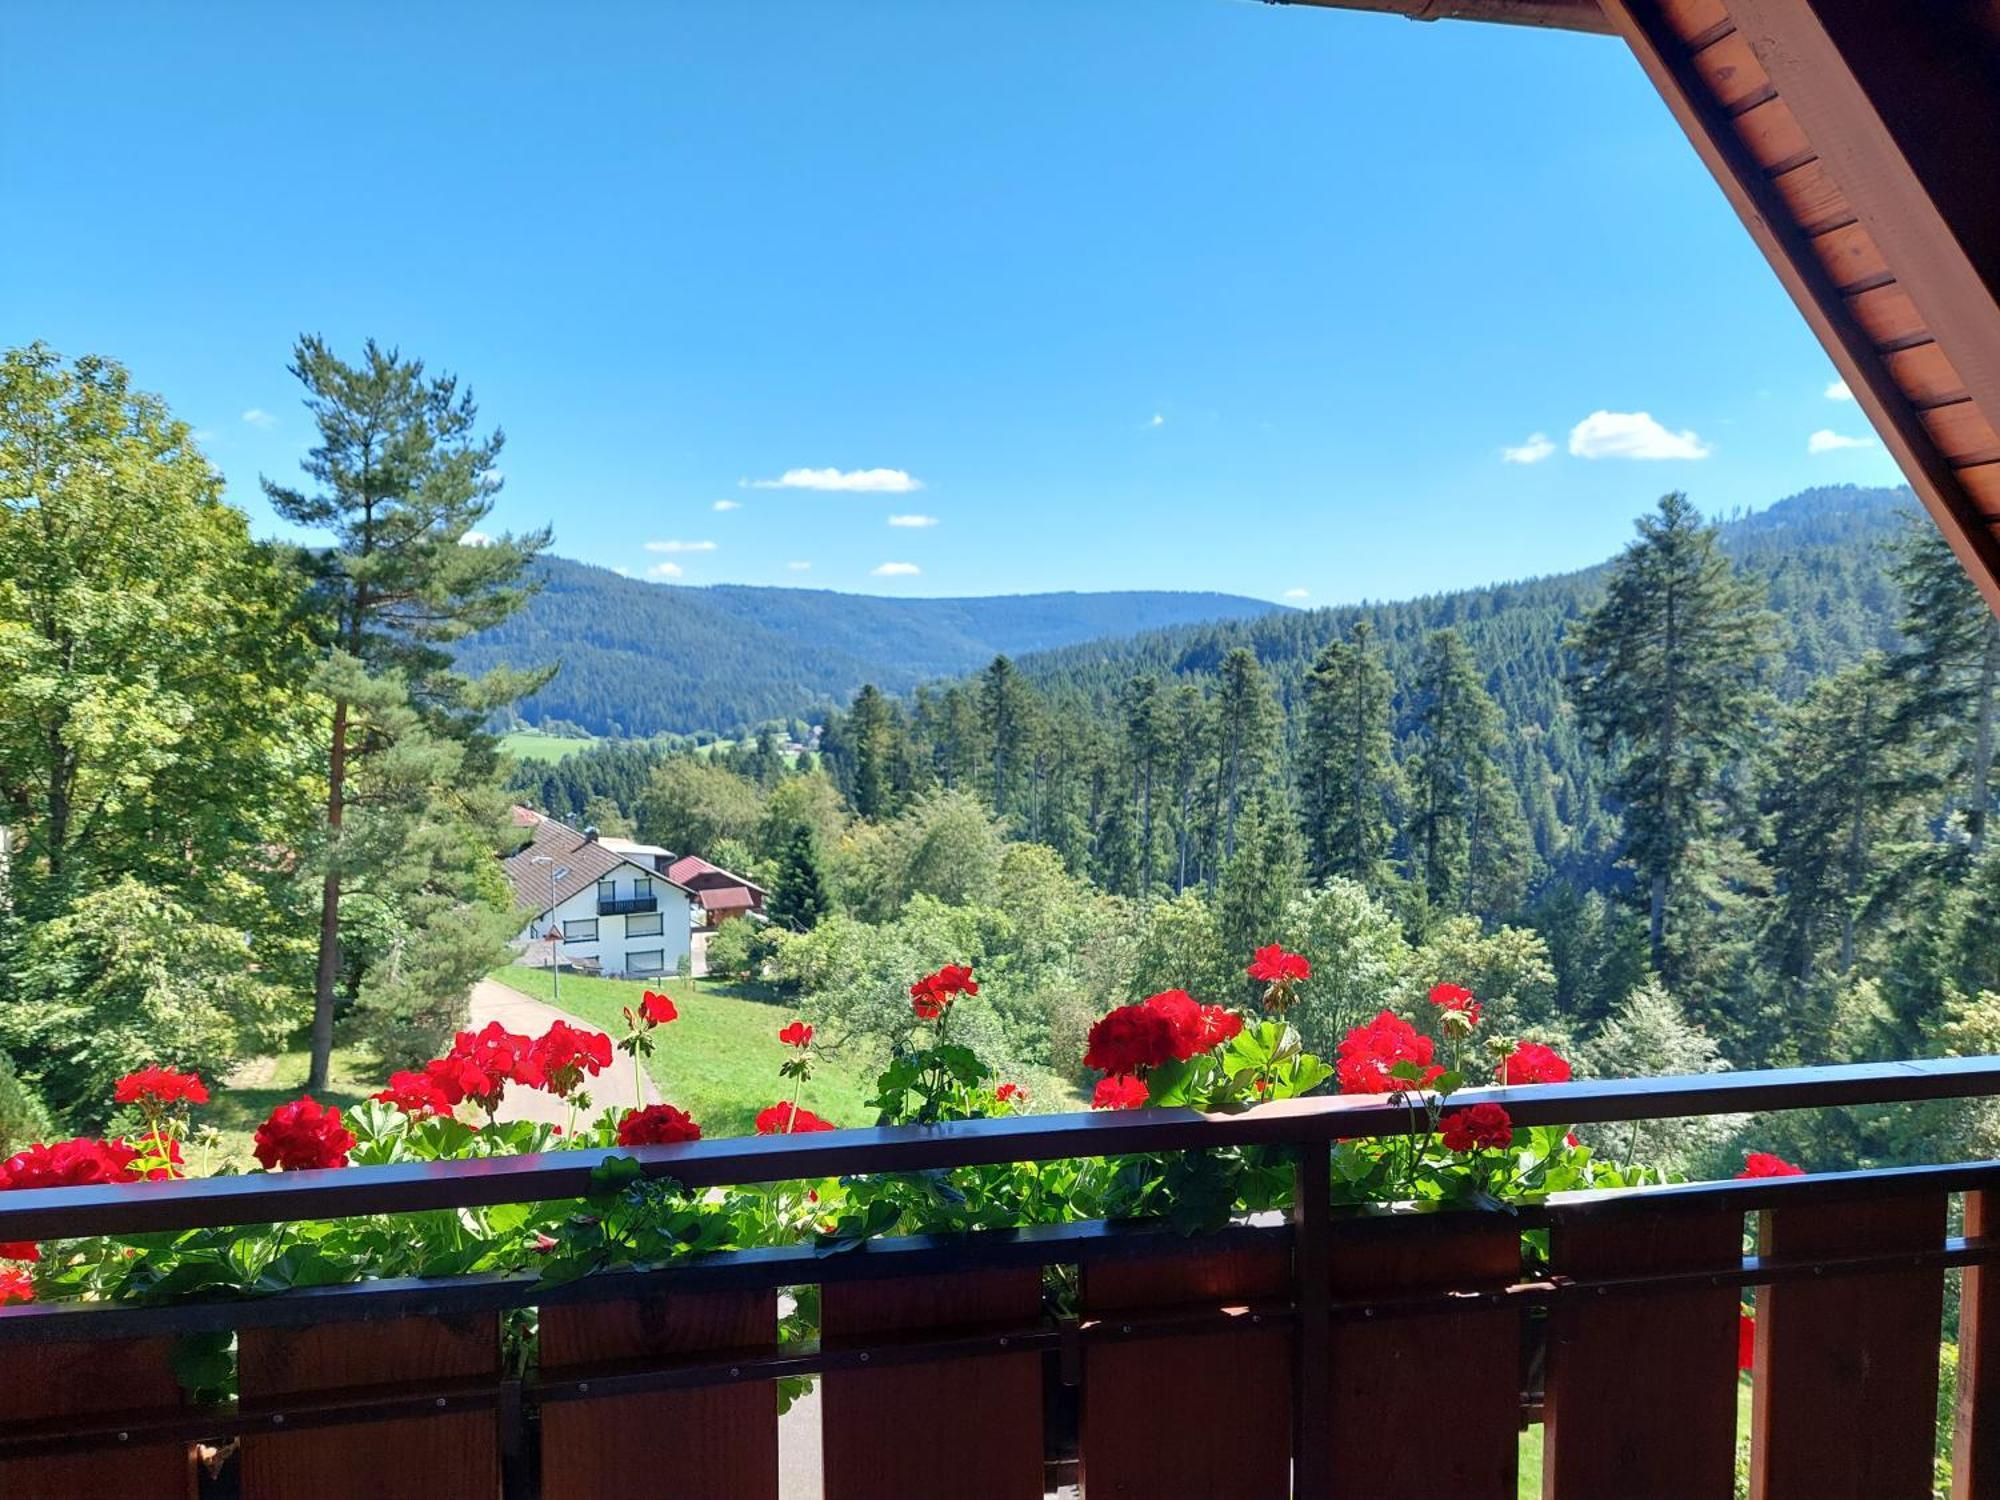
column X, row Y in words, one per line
column 556, row 872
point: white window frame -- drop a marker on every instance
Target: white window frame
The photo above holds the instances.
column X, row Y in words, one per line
column 579, row 923
column 635, row 925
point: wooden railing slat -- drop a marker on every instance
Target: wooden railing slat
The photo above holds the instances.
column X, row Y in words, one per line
column 1845, row 1385
column 967, row 1428
column 54, row 1381
column 1229, row 1394
column 1975, row 1463
column 716, row 1442
column 1640, row 1400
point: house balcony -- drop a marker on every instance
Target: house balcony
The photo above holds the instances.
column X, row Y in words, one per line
column 627, row 906
column 1318, row 1353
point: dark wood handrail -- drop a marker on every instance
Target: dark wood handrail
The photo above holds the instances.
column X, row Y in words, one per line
column 53, row 1213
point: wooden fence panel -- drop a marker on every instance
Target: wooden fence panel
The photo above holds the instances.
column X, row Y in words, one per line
column 1975, row 1461
column 715, row 1442
column 1845, row 1385
column 416, row 1458
column 49, row 1381
column 1427, row 1404
column 1641, row 1395
column 1207, row 1417
column 967, row 1428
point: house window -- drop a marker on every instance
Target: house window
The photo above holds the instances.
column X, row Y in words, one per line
column 607, row 890
column 580, row 930
column 643, row 924
column 646, row 961
column 642, row 887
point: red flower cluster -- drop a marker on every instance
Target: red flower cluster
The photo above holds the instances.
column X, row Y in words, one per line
column 565, row 1055
column 1196, row 1027
column 481, row 1064
column 1008, row 1091
column 1456, row 999
column 1128, row 1039
column 1758, row 1164
column 15, row 1286
column 1531, row 1062
column 302, row 1135
column 777, row 1119
column 933, row 994
column 1120, row 1091
column 160, row 1086
column 415, row 1094
column 1746, row 1341
column 83, row 1162
column 1367, row 1053
column 656, row 1125
column 1273, row 965
column 798, row 1034
column 656, row 1009
column 1483, row 1127
column 20, row 1250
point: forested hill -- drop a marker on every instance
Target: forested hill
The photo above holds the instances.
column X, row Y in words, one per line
column 644, row 658
column 1820, row 554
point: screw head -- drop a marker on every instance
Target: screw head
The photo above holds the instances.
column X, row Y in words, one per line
column 440, row 1403
column 1127, row 1328
column 864, row 1357
column 735, row 1371
column 583, row 1387
column 1003, row 1342
column 124, row 1437
column 278, row 1419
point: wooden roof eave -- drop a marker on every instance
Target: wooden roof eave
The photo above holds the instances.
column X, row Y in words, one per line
column 1557, row 15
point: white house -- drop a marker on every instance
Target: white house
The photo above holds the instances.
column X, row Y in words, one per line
column 610, row 899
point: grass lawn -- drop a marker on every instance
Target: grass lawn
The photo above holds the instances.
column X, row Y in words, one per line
column 719, row 1061
column 259, row 1086
column 532, row 744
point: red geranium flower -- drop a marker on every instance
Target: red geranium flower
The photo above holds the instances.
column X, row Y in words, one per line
column 1273, row 965
column 788, row 1119
column 1746, row 1341
column 1367, row 1053
column 656, row 1009
column 1130, row 1038
column 565, row 1055
column 481, row 1064
column 82, row 1162
column 1483, row 1127
column 1008, row 1091
column 161, row 1086
column 1196, row 1027
column 415, row 1094
column 931, row 995
column 20, row 1250
column 302, row 1135
column 1531, row 1062
column 656, row 1125
column 798, row 1034
column 1457, row 999
column 15, row 1286
column 1763, row 1164
column 1120, row 1091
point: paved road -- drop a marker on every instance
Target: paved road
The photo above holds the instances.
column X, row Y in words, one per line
column 494, row 1001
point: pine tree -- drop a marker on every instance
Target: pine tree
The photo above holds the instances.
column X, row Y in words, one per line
column 1668, row 683
column 1347, row 772
column 866, row 752
column 1005, row 709
column 1467, row 842
column 1261, row 879
column 1147, row 737
column 1245, row 746
column 1189, row 724
column 798, row 892
column 1950, row 672
column 404, row 480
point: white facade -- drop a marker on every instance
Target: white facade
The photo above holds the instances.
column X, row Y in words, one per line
column 608, row 922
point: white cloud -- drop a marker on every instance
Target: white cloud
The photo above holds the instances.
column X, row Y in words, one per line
column 475, row 539
column 1826, row 440
column 1533, row 451
column 680, row 546
column 203, row 435
column 1838, row 391
column 1631, row 434
column 493, row 476
column 1297, row 593
column 622, row 571
column 897, row 570
column 258, row 417
column 870, row 481
column 1159, row 420
column 727, row 505
column 799, row 567
column 664, row 570
column 913, row 521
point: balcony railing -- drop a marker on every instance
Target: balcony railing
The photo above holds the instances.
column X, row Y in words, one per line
column 1350, row 1354
column 626, row 906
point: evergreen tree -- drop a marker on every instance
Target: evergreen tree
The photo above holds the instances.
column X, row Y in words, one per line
column 403, row 480
column 1260, row 880
column 1467, row 843
column 798, row 892
column 1189, row 727
column 1246, row 723
column 1347, row 771
column 1004, row 725
column 1147, row 738
column 868, row 739
column 1668, row 684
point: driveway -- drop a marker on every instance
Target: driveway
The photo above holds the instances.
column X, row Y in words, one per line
column 494, row 1001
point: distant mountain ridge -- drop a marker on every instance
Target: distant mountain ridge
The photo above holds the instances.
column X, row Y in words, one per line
column 645, row 658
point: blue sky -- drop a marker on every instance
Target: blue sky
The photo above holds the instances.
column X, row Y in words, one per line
column 1141, row 293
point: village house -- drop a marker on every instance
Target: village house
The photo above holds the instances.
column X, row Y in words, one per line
column 599, row 902
column 719, row 894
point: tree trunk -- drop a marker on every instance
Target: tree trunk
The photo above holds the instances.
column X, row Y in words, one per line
column 328, row 971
